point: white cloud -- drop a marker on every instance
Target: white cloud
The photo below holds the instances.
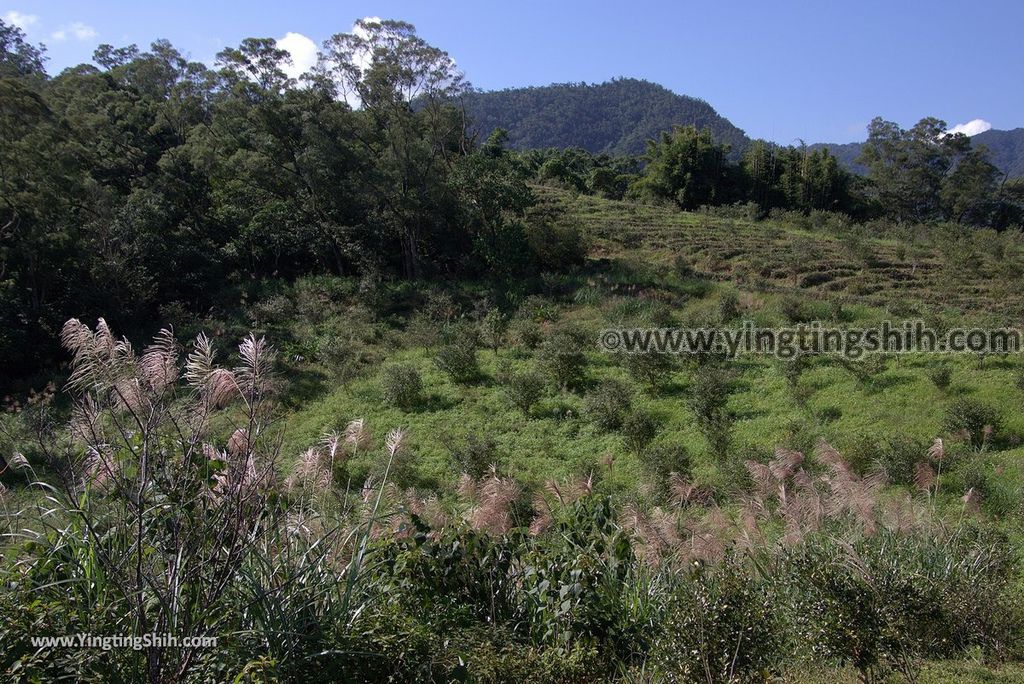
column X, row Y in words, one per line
column 971, row 128
column 77, row 30
column 22, row 21
column 303, row 52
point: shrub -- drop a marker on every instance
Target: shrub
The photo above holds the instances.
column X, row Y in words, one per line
column 474, row 455
column 523, row 389
column 710, row 388
column 795, row 310
column 728, row 306
column 886, row 601
column 458, row 361
column 651, row 369
column 659, row 461
column 526, row 332
column 562, row 358
column 638, row 430
column 493, row 327
column 791, row 369
column 898, row 455
column 556, row 247
column 941, row 376
column 720, row 626
column 402, row 385
column 682, row 268
column 608, row 405
column 976, row 420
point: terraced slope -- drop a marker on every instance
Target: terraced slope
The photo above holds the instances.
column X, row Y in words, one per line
column 908, row 275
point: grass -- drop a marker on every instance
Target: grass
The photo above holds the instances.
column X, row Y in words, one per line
column 632, row 279
column 629, row 277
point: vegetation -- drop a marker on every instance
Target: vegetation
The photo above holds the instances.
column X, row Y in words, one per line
column 418, row 464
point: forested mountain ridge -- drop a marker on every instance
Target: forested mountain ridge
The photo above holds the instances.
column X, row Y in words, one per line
column 616, row 117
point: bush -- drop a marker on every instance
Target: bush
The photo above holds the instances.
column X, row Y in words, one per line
column 556, row 247
column 651, row 369
column 493, row 327
column 682, row 268
column 728, row 306
column 721, row 626
column 941, row 376
column 898, row 455
column 402, row 385
column 523, row 389
column 474, row 455
column 526, row 333
column 608, row 405
column 638, row 430
column 458, row 361
column 889, row 600
column 795, row 310
column 562, row 358
column 976, row 420
column 659, row 461
column 710, row 388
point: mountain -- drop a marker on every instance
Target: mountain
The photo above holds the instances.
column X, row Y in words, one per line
column 1005, row 147
column 616, row 117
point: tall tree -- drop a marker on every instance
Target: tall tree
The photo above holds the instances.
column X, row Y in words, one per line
column 687, row 166
column 406, row 88
column 907, row 167
column 18, row 57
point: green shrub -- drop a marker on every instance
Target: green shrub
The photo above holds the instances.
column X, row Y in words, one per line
column 493, row 328
column 556, row 247
column 976, row 420
column 402, row 385
column 941, row 376
column 710, row 388
column 720, row 626
column 898, row 455
column 608, row 404
column 638, row 429
column 458, row 361
column 885, row 602
column 475, row 454
column 523, row 389
column 561, row 357
column 659, row 461
column 682, row 268
column 526, row 333
column 729, row 306
column 651, row 369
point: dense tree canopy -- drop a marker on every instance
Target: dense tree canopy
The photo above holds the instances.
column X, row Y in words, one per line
column 145, row 180
column 149, row 180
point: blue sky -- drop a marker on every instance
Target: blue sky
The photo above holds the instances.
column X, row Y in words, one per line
column 780, row 70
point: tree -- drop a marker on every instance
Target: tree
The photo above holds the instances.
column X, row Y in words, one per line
column 19, row 58
column 907, row 167
column 969, row 192
column 387, row 69
column 687, row 166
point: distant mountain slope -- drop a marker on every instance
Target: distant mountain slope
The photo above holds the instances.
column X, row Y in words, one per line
column 616, row 117
column 846, row 153
column 1006, row 149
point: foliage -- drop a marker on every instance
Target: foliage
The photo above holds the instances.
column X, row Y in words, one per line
column 608, row 405
column 402, row 385
column 975, row 419
column 561, row 357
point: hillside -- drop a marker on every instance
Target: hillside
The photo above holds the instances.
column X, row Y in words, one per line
column 616, row 117
column 1007, row 148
